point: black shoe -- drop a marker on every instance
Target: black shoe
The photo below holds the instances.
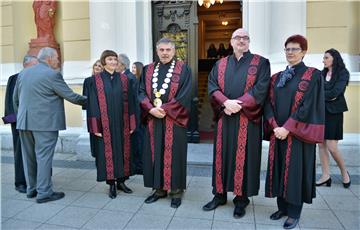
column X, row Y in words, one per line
column 216, row 201
column 175, row 202
column 153, row 198
column 21, row 188
column 124, row 188
column 112, row 191
column 290, row 223
column 52, row 197
column 347, row 185
column 31, row 195
column 239, row 211
column 277, row 215
column 327, row 182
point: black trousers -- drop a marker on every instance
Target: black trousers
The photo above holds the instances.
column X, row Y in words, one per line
column 241, row 201
column 118, row 180
column 18, row 160
column 293, row 211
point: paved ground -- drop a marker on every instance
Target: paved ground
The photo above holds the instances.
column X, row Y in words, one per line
column 87, row 206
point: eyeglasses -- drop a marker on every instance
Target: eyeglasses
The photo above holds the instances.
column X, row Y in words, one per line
column 238, row 38
column 292, row 50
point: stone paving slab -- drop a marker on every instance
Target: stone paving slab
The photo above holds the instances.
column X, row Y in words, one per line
column 87, row 206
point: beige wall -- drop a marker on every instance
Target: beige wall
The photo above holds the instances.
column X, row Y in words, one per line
column 75, row 30
column 333, row 24
column 72, row 30
column 351, row 118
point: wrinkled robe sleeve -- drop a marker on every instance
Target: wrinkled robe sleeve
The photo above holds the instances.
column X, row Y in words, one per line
column 307, row 121
column 339, row 86
column 145, row 101
column 178, row 108
column 92, row 107
column 253, row 100
column 216, row 96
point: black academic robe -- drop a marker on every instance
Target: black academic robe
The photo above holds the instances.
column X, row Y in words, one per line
column 299, row 107
column 237, row 142
column 10, row 118
column 110, row 111
column 136, row 136
column 165, row 142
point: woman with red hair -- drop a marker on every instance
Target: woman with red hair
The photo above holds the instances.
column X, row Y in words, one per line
column 294, row 123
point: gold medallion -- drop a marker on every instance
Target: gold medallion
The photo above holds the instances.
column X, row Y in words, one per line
column 157, row 102
column 157, row 94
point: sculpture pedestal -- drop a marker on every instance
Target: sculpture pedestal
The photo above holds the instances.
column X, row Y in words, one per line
column 36, row 44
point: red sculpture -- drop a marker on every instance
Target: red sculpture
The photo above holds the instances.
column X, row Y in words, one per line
column 45, row 22
column 45, row 18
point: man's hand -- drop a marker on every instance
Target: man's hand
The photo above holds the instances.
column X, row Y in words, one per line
column 233, row 106
column 227, row 112
column 98, row 134
column 131, row 131
column 281, row 133
column 157, row 112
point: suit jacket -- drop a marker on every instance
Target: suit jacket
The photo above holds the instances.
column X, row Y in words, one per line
column 10, row 116
column 334, row 93
column 39, row 99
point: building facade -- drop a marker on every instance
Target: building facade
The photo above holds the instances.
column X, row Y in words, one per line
column 85, row 28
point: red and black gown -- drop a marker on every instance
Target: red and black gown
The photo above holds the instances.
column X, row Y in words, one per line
column 298, row 107
column 237, row 141
column 110, row 111
column 165, row 141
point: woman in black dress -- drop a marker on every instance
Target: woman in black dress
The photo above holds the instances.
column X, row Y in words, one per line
column 336, row 79
column 294, row 114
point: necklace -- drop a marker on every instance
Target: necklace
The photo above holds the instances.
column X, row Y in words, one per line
column 164, row 86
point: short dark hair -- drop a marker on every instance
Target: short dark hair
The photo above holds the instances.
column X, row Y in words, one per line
column 105, row 54
column 297, row 38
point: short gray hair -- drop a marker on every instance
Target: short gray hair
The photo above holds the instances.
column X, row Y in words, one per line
column 124, row 59
column 28, row 58
column 165, row 41
column 46, row 52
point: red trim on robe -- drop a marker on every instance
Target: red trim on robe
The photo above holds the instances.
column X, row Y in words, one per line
column 272, row 122
column 218, row 154
column 169, row 128
column 310, row 133
column 94, row 125
column 298, row 97
column 126, row 124
column 242, row 134
column 106, row 129
column 147, row 105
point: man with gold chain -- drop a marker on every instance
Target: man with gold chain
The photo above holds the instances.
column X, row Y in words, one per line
column 165, row 98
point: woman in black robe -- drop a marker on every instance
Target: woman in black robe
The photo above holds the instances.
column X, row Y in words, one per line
column 294, row 115
column 111, row 120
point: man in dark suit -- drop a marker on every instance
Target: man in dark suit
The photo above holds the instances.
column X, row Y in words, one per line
column 39, row 103
column 10, row 118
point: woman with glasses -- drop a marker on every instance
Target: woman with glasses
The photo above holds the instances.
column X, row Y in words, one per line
column 294, row 114
column 336, row 79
